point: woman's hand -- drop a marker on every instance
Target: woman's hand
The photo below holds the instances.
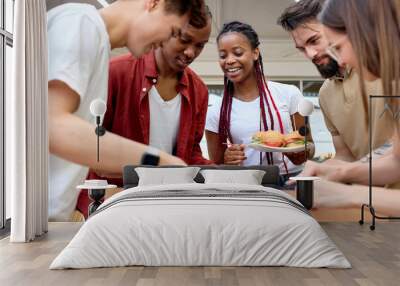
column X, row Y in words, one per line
column 234, row 154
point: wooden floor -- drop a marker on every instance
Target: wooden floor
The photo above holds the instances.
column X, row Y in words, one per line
column 375, row 257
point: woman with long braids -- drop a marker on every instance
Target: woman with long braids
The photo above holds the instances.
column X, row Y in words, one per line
column 250, row 104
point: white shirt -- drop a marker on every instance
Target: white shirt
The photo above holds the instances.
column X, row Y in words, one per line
column 79, row 51
column 164, row 120
column 245, row 121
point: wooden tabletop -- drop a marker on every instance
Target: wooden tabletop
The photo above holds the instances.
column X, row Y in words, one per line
column 336, row 215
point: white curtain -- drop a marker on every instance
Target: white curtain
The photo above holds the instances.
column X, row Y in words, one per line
column 26, row 123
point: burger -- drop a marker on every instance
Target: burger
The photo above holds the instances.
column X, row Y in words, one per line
column 269, row 138
column 293, row 139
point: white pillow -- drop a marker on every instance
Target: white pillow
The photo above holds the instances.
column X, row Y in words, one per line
column 248, row 177
column 166, row 176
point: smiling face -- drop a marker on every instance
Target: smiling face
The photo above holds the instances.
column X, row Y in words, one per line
column 341, row 47
column 237, row 57
column 156, row 26
column 310, row 40
column 180, row 51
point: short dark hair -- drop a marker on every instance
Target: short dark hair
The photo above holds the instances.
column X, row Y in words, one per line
column 193, row 21
column 196, row 8
column 300, row 13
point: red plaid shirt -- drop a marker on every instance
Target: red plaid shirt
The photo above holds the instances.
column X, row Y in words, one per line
column 128, row 113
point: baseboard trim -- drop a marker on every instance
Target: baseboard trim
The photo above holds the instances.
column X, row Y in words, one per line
column 5, row 231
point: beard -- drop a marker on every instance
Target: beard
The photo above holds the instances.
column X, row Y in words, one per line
column 328, row 70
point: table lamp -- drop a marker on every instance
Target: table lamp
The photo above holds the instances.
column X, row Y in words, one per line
column 305, row 108
column 98, row 108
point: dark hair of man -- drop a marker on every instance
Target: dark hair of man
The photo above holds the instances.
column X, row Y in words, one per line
column 197, row 11
column 194, row 21
column 226, row 107
column 300, row 13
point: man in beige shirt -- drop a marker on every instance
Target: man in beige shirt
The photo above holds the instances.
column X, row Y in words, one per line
column 346, row 116
column 345, row 109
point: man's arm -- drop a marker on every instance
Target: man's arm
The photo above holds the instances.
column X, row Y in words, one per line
column 342, row 152
column 385, row 166
column 385, row 170
column 74, row 139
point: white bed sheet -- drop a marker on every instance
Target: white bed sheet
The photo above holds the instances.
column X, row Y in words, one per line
column 204, row 231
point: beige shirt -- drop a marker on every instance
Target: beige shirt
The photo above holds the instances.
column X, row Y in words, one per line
column 346, row 114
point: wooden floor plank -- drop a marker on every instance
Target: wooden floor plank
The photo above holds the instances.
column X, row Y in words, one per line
column 375, row 257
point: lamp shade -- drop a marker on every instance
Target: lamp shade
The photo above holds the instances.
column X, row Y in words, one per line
column 305, row 107
column 98, row 107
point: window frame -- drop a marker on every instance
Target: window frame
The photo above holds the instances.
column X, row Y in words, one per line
column 6, row 39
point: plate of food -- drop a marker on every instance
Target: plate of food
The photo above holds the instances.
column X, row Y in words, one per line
column 274, row 141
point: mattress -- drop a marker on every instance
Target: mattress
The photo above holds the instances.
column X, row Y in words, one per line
column 201, row 225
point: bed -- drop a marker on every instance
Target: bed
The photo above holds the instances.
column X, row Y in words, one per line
column 200, row 224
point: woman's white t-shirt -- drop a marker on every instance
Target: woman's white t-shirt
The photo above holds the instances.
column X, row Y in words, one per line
column 245, row 121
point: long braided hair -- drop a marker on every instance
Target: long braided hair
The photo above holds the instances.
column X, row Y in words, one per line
column 265, row 95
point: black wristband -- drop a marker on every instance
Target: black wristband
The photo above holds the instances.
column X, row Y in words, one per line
column 151, row 157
